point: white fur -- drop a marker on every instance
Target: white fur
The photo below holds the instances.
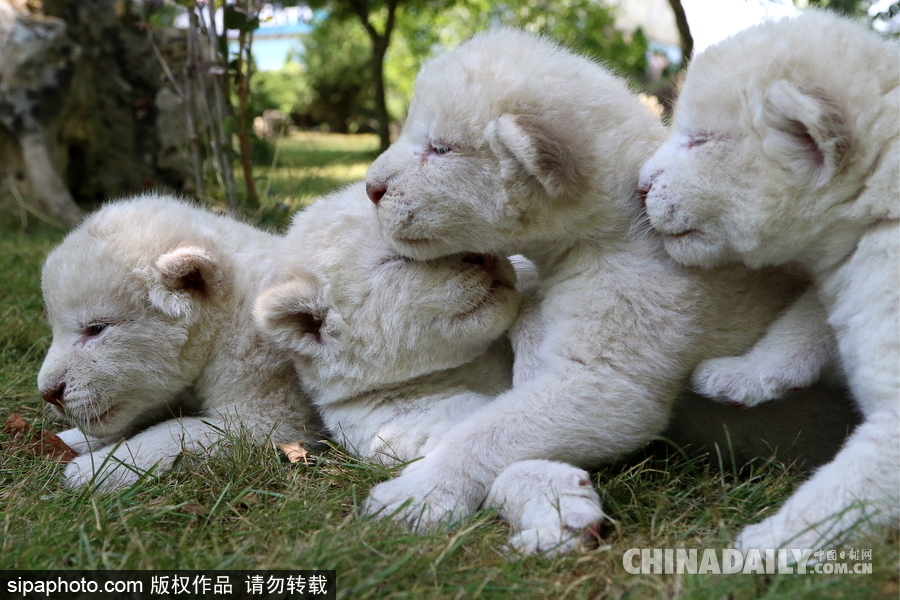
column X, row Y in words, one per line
column 798, row 349
column 785, row 149
column 398, row 349
column 551, row 506
column 394, row 352
column 544, row 153
column 171, row 285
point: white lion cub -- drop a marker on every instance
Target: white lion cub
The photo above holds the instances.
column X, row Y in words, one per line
column 785, row 149
column 514, row 145
column 391, row 351
column 394, row 352
column 153, row 341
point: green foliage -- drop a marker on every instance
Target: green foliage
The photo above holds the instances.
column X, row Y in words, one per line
column 339, row 91
column 157, row 13
column 287, row 90
column 338, row 71
column 422, row 32
column 239, row 18
column 585, row 26
column 847, row 7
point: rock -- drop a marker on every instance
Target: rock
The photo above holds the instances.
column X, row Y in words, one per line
column 84, row 111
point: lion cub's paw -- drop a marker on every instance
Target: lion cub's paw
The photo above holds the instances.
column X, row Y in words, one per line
column 552, row 507
column 574, row 529
column 778, row 532
column 102, row 471
column 737, row 380
column 420, row 501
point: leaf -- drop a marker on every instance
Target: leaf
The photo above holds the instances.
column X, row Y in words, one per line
column 16, row 425
column 295, row 452
column 192, row 508
column 230, row 124
column 39, row 443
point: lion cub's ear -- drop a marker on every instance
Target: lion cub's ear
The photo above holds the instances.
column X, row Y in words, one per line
column 289, row 313
column 806, row 131
column 527, row 146
column 185, row 276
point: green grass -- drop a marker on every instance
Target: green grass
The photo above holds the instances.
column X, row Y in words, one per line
column 247, row 509
column 306, row 165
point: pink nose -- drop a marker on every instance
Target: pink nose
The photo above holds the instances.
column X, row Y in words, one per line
column 643, row 190
column 375, row 192
column 55, row 395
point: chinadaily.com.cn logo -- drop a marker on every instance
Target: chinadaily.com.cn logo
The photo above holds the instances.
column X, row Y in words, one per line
column 680, row 561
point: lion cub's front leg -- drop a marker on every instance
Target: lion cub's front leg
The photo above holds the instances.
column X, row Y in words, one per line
column 80, row 442
column 792, row 355
column 118, row 465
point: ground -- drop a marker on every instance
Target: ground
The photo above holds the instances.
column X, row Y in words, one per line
column 253, row 510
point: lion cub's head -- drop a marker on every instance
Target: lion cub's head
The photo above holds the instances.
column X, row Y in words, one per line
column 510, row 140
column 126, row 294
column 357, row 316
column 783, row 146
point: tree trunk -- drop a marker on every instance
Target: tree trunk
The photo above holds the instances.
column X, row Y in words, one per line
column 684, row 32
column 35, row 63
column 379, row 49
column 380, row 43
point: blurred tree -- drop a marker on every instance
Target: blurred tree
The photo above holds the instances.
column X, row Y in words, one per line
column 243, row 16
column 352, row 84
column 378, row 18
column 336, row 55
column 883, row 17
column 586, row 26
column 887, row 18
column 203, row 87
column 287, row 89
column 85, row 111
column 847, row 7
column 684, row 32
column 215, row 84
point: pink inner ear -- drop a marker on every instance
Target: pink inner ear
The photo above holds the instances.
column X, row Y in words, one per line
column 190, row 270
column 193, row 282
column 308, row 323
column 807, row 141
